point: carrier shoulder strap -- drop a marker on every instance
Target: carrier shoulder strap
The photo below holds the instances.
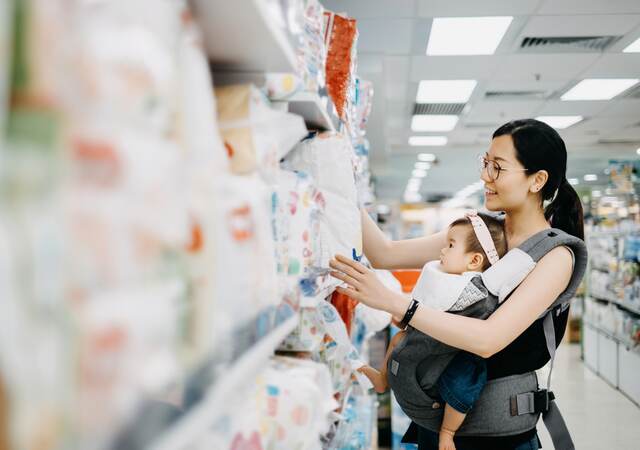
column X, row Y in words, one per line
column 538, row 246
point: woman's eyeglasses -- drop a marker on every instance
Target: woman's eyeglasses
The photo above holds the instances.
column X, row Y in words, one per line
column 493, row 168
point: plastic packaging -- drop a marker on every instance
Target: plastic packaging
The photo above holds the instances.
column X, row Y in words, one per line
column 255, row 135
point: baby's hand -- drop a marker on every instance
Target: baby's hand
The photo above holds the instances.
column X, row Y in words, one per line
column 446, row 441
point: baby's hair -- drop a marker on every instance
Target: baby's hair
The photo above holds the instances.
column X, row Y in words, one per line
column 496, row 229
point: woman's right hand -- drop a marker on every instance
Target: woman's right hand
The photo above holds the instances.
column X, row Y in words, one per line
column 365, row 287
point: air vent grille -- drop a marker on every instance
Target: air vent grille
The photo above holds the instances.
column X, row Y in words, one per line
column 519, row 95
column 438, row 108
column 568, row 43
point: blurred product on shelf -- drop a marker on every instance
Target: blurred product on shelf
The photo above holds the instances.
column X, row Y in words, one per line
column 276, row 411
column 159, row 250
column 255, row 135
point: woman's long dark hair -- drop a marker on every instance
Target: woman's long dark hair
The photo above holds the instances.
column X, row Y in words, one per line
column 540, row 147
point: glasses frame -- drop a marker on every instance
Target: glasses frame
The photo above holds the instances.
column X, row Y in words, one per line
column 484, row 165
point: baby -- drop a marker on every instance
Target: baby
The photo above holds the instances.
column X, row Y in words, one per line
column 474, row 243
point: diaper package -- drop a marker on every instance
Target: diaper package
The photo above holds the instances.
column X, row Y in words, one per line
column 255, row 135
column 328, row 159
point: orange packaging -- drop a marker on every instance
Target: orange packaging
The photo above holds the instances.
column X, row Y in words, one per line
column 346, row 307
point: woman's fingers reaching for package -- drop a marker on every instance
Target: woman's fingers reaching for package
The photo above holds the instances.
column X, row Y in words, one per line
column 350, row 292
column 346, row 278
column 355, row 265
column 346, row 269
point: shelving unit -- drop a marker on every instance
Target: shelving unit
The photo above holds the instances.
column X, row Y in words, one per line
column 315, row 110
column 622, row 304
column 242, row 372
column 206, row 388
column 610, row 354
column 244, row 36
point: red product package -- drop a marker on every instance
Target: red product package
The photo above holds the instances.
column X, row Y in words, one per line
column 340, row 37
column 346, row 307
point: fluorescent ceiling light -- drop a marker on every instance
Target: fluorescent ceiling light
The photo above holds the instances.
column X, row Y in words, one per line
column 445, row 91
column 560, row 122
column 414, row 182
column 423, row 165
column 466, row 35
column 638, row 151
column 424, row 141
column 426, row 157
column 591, row 177
column 419, row 173
column 440, row 122
column 412, row 197
column 599, row 88
column 574, row 181
column 633, row 48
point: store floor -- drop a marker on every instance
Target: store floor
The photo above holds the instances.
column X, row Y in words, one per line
column 599, row 416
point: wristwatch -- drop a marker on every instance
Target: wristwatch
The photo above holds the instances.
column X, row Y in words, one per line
column 411, row 310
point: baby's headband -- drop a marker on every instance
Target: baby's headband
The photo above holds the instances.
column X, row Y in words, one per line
column 483, row 235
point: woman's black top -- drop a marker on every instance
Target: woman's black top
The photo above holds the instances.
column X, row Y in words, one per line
column 526, row 353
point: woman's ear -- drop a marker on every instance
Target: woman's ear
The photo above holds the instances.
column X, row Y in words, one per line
column 475, row 263
column 538, row 180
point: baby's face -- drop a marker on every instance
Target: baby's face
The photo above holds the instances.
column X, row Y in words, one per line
column 454, row 258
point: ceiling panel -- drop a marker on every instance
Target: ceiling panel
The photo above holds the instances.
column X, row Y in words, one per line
column 366, row 9
column 468, row 8
column 572, row 7
column 580, row 25
column 502, row 111
column 389, row 36
column 396, row 68
column 622, row 107
column 451, row 67
column 582, row 108
column 553, row 67
column 615, row 65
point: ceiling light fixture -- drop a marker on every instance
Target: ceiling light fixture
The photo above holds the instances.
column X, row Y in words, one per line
column 638, row 151
column 445, row 91
column 598, row 88
column 591, row 177
column 419, row 173
column 426, row 157
column 574, row 181
column 426, row 141
column 560, row 122
column 432, row 122
column 423, row 165
column 634, row 47
column 466, row 35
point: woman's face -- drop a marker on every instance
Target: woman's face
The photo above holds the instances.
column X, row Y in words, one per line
column 509, row 191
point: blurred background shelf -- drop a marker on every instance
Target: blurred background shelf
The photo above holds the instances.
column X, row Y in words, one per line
column 245, row 36
column 315, row 110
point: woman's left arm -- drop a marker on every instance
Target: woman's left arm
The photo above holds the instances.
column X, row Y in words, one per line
column 484, row 338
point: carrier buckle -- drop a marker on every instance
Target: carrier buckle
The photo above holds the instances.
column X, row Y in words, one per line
column 531, row 402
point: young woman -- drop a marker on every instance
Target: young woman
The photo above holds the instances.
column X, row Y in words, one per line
column 524, row 167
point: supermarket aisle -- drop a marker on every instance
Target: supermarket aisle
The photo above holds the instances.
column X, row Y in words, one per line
column 599, row 416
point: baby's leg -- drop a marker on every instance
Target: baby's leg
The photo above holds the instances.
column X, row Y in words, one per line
column 379, row 377
column 450, row 424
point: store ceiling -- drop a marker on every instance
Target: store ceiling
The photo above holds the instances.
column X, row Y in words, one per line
column 392, row 53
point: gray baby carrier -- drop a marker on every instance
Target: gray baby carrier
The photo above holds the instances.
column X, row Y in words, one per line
column 509, row 405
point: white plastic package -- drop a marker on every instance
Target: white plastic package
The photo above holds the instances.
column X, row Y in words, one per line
column 255, row 135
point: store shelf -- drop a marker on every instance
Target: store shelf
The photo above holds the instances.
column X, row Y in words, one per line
column 159, row 425
column 236, row 378
column 624, row 305
column 245, row 35
column 314, row 109
column 624, row 341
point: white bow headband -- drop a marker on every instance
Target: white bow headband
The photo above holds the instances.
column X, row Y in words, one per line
column 483, row 235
